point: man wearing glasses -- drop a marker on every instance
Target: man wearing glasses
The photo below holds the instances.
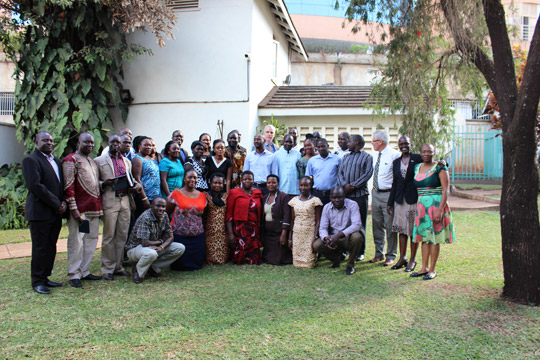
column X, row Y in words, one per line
column 383, row 157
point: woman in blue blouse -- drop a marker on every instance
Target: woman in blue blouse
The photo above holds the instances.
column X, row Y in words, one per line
column 146, row 171
column 171, row 171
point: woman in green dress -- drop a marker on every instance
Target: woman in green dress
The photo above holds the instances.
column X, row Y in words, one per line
column 433, row 224
column 309, row 152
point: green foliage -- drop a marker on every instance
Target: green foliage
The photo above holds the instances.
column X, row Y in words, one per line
column 359, row 48
column 281, row 130
column 423, row 70
column 12, row 197
column 68, row 65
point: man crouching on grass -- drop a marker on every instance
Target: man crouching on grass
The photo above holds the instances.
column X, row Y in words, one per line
column 151, row 244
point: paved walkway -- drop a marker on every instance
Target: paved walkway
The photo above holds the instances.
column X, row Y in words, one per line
column 20, row 250
column 466, row 200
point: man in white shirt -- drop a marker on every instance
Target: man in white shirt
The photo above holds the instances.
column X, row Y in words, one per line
column 383, row 158
column 343, row 145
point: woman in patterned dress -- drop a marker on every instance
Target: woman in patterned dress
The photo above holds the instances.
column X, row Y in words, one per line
column 309, row 152
column 146, row 171
column 433, row 224
column 187, row 206
column 217, row 249
column 243, row 222
column 305, row 220
column 196, row 162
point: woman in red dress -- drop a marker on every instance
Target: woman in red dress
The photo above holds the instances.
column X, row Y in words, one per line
column 243, row 220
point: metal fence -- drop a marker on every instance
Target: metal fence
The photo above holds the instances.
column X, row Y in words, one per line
column 476, row 153
column 7, row 103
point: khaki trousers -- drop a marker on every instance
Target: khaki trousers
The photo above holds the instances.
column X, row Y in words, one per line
column 146, row 257
column 353, row 244
column 116, row 218
column 81, row 248
column 382, row 226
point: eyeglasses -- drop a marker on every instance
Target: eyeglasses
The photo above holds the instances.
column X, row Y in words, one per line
column 374, row 141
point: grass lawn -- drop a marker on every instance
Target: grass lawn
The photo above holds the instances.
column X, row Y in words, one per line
column 268, row 312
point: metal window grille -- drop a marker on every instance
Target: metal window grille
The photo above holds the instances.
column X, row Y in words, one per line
column 7, row 103
column 525, row 30
column 183, row 4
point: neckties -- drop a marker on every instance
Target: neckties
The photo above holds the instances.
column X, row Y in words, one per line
column 376, row 176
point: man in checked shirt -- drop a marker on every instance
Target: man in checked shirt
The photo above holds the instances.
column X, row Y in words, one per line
column 150, row 244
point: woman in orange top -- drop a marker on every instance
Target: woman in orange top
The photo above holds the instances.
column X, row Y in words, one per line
column 187, row 206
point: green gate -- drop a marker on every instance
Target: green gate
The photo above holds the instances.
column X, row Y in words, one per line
column 476, row 153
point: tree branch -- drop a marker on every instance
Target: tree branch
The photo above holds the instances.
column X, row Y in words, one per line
column 506, row 91
column 529, row 92
column 467, row 47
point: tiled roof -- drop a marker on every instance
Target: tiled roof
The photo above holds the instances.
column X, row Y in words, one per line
column 317, row 97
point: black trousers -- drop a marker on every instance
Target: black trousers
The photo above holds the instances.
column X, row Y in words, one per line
column 44, row 236
column 362, row 202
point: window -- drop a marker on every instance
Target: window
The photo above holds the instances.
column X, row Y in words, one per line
column 7, row 103
column 525, row 31
column 275, row 58
column 184, row 4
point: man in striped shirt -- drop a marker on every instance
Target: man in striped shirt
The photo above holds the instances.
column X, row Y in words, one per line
column 354, row 172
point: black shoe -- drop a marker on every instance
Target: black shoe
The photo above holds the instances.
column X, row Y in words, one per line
column 153, row 273
column 429, row 276
column 76, row 283
column 135, row 275
column 108, row 277
column 349, row 270
column 336, row 264
column 122, row 273
column 41, row 289
column 417, row 274
column 399, row 266
column 53, row 284
column 91, row 277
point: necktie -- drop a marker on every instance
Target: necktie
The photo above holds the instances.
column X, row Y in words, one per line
column 376, row 176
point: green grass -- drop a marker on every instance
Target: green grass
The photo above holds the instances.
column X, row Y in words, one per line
column 268, row 312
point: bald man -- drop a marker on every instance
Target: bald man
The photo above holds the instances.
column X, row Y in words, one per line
column 81, row 185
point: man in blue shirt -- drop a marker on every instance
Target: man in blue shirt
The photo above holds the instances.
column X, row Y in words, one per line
column 261, row 162
column 324, row 170
column 285, row 159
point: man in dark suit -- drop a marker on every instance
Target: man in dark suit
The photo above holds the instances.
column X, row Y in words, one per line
column 45, row 207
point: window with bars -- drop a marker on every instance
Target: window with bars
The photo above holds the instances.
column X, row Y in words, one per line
column 183, row 4
column 525, row 33
column 7, row 103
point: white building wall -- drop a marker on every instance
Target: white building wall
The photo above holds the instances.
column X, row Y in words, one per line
column 198, row 78
column 263, row 57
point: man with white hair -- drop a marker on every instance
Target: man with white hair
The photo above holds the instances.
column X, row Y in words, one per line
column 269, row 134
column 383, row 158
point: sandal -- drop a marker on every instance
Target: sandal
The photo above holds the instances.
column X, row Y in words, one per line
column 411, row 268
column 399, row 266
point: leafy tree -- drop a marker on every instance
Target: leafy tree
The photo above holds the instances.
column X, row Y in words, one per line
column 68, row 59
column 471, row 38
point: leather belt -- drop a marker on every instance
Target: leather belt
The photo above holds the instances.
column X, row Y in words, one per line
column 260, row 184
column 323, row 192
column 381, row 190
column 120, row 195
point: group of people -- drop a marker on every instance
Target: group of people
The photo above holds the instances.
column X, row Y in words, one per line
column 278, row 205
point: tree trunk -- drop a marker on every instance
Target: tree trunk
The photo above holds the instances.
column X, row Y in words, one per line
column 520, row 228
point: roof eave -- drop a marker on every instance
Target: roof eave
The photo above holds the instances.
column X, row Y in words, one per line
column 290, row 30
